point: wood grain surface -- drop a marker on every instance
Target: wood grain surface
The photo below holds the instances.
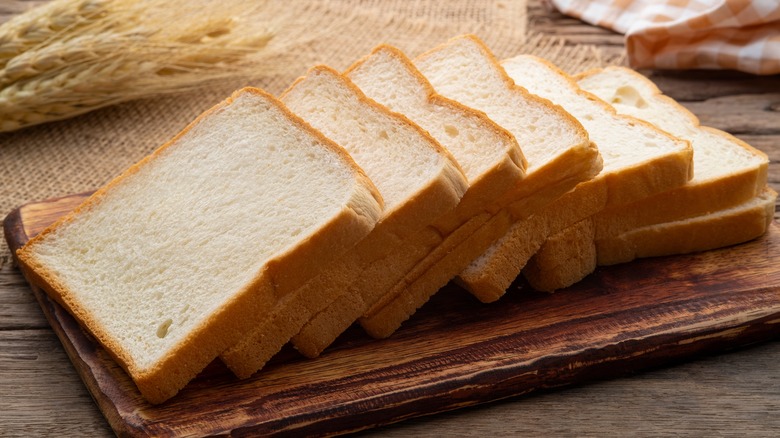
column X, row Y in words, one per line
column 732, row 394
column 452, row 354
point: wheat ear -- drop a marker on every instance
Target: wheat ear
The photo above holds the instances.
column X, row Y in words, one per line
column 68, row 57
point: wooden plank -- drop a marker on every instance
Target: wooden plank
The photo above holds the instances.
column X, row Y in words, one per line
column 18, row 308
column 707, row 84
column 41, row 395
column 545, row 20
column 768, row 143
column 729, row 394
column 740, row 114
column 452, row 354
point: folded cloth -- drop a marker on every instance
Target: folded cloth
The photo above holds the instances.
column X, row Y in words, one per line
column 685, row 34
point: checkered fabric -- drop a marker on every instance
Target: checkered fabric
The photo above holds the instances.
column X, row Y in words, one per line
column 684, row 34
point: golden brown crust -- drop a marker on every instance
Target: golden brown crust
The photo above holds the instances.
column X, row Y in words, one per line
column 566, row 258
column 432, row 275
column 441, row 189
column 562, row 262
column 650, row 177
column 702, row 233
column 584, row 152
column 508, row 82
column 329, row 323
column 320, row 331
column 222, row 328
column 656, row 92
column 680, row 203
column 526, row 237
column 655, row 175
column 291, row 270
column 54, row 287
column 659, row 174
column 293, row 311
column 487, row 284
column 688, row 200
column 485, row 193
column 548, row 193
column 482, row 193
column 439, row 196
column 554, row 179
column 410, row 294
column 370, row 102
column 513, row 150
column 578, row 163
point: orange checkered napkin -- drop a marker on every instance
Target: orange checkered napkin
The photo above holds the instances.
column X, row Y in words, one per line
column 684, row 34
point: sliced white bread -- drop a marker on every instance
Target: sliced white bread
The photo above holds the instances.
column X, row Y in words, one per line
column 418, row 179
column 488, row 154
column 725, row 227
column 728, row 173
column 728, row 170
column 175, row 259
column 572, row 254
column 639, row 160
column 488, row 276
column 556, row 147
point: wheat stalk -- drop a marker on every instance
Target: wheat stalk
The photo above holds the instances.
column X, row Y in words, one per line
column 39, row 24
column 73, row 56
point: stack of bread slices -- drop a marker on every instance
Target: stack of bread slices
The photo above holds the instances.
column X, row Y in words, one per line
column 355, row 196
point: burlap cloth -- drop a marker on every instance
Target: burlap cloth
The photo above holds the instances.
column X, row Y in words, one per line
column 85, row 152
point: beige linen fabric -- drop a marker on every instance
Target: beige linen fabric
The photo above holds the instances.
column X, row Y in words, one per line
column 85, row 152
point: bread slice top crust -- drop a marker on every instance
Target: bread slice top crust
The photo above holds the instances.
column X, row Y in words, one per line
column 399, row 157
column 489, row 154
column 728, row 171
column 717, row 153
column 170, row 248
column 465, row 70
column 419, row 180
column 639, row 159
column 556, row 147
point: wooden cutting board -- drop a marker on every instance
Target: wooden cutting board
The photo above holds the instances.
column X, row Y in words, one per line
column 454, row 352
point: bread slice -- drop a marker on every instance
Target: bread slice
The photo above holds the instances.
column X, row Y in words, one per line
column 700, row 233
column 572, row 254
column 488, row 154
column 555, row 145
column 489, row 276
column 175, row 259
column 639, row 161
column 728, row 172
column 418, row 179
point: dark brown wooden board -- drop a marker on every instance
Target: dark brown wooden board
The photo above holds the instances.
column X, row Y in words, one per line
column 454, row 352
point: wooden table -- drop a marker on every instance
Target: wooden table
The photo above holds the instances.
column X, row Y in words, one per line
column 735, row 393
